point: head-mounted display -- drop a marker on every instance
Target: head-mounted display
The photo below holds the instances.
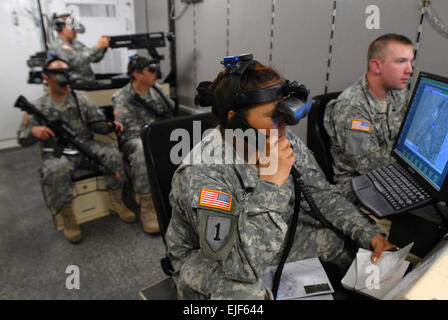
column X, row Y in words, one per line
column 63, row 76
column 68, row 20
column 135, row 65
column 292, row 107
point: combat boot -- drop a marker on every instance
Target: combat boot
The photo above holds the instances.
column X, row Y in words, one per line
column 71, row 228
column 117, row 206
column 148, row 215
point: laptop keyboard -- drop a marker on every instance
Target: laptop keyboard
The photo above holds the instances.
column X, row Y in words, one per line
column 397, row 187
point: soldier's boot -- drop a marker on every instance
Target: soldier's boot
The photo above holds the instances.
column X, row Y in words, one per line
column 148, row 214
column 71, row 228
column 117, row 206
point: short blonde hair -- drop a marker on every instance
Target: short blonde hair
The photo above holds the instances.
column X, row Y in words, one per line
column 377, row 49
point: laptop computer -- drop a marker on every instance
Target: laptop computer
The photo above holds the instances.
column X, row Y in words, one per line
column 419, row 175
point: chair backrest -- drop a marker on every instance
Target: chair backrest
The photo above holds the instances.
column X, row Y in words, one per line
column 157, row 147
column 318, row 140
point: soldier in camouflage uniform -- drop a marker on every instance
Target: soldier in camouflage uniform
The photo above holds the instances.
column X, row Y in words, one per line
column 140, row 101
column 83, row 118
column 76, row 53
column 364, row 121
column 221, row 252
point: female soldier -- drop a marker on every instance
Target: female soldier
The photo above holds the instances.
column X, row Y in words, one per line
column 230, row 220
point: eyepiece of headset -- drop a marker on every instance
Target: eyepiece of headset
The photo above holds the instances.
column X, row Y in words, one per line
column 153, row 65
column 60, row 19
column 293, row 96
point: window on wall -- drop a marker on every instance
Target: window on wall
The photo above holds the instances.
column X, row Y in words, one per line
column 94, row 9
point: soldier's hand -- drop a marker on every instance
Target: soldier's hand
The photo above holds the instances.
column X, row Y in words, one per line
column 379, row 244
column 118, row 126
column 42, row 133
column 103, row 42
column 278, row 161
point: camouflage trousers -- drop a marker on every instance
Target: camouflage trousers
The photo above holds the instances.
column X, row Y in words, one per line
column 201, row 278
column 57, row 172
column 133, row 151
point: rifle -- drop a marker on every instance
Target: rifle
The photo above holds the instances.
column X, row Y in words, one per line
column 64, row 134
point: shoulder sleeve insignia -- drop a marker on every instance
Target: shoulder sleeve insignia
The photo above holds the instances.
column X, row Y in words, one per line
column 217, row 233
column 118, row 114
column 215, row 199
column 360, row 125
column 25, row 118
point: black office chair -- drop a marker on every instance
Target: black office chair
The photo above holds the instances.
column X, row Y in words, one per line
column 157, row 147
column 318, row 140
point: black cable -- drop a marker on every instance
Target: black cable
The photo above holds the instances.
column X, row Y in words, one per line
column 315, row 211
column 299, row 187
column 176, row 106
column 291, row 234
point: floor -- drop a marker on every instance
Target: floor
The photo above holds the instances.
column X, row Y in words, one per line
column 115, row 260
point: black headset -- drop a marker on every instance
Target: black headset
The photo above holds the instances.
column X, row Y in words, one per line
column 292, row 107
column 135, row 65
column 57, row 20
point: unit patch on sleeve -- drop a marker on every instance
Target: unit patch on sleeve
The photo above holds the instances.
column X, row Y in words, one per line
column 215, row 199
column 360, row 125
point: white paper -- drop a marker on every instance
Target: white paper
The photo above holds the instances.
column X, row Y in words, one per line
column 295, row 276
column 386, row 273
column 388, row 264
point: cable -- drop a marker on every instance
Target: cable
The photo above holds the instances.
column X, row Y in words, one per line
column 437, row 22
column 291, row 234
column 299, row 187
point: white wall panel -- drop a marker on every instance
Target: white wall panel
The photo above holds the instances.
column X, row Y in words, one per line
column 185, row 54
column 352, row 37
column 152, row 16
column 210, row 39
column 250, row 28
column 301, row 42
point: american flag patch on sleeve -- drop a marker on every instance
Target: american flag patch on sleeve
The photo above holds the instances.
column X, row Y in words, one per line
column 215, row 199
column 360, row 125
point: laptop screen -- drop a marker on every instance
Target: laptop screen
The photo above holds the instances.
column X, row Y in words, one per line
column 423, row 140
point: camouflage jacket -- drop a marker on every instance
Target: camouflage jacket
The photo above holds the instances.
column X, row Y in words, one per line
column 91, row 115
column 215, row 247
column 362, row 134
column 78, row 56
column 133, row 115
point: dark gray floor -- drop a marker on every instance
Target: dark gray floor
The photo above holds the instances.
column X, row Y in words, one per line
column 115, row 260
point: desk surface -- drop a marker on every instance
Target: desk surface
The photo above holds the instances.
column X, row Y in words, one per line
column 429, row 279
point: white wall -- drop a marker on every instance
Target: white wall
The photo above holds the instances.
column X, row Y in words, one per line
column 121, row 23
column 20, row 39
column 299, row 31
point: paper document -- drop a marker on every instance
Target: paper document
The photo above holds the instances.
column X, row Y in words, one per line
column 376, row 279
column 304, row 278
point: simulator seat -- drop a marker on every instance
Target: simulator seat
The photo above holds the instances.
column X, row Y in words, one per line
column 157, row 147
column 90, row 197
column 318, row 140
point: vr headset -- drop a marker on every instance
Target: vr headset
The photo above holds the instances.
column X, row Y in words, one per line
column 134, row 65
column 66, row 19
column 292, row 107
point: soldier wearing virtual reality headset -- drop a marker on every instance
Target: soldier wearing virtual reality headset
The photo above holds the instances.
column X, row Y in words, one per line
column 231, row 220
column 73, row 51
